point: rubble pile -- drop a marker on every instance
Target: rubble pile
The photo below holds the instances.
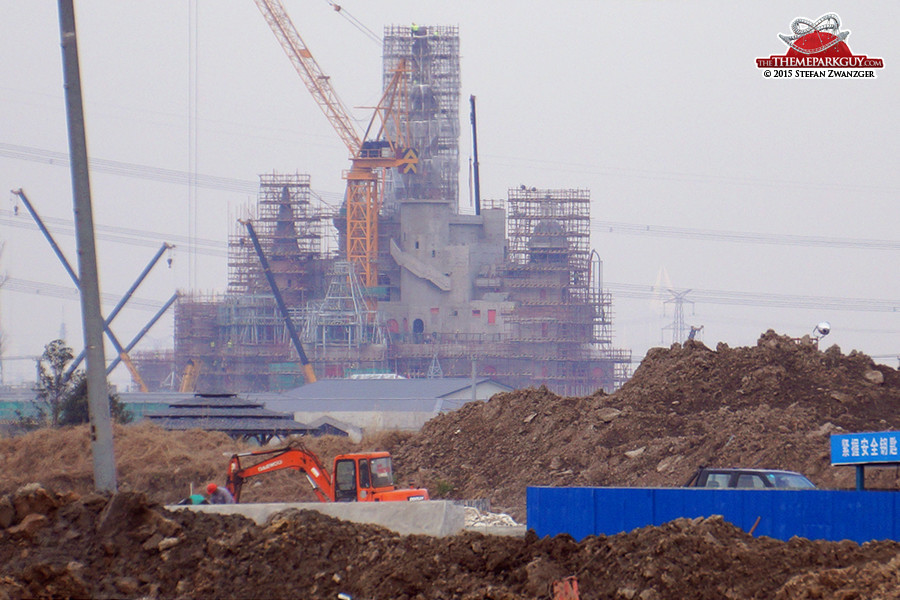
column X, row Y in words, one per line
column 124, row 546
column 477, row 518
column 771, row 405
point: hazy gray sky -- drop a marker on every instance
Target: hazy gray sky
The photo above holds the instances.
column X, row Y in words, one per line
column 656, row 107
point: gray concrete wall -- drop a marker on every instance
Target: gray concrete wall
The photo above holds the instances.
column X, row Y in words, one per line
column 438, row 518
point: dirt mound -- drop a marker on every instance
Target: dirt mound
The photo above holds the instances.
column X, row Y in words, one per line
column 167, row 466
column 124, row 546
column 773, row 405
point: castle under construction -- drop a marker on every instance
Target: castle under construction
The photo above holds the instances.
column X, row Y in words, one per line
column 512, row 292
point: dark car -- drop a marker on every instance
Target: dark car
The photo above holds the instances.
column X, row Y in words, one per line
column 758, row 479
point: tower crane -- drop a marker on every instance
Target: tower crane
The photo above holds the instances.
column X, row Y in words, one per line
column 384, row 145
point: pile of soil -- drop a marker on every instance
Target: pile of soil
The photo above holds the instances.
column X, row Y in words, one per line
column 772, row 405
column 123, row 546
column 166, row 466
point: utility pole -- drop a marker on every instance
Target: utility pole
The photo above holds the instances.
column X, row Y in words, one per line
column 92, row 320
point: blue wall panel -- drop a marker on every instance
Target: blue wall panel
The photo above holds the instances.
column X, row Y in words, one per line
column 621, row 509
column 563, row 510
column 782, row 514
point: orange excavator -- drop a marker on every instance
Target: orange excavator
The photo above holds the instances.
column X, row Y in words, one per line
column 362, row 477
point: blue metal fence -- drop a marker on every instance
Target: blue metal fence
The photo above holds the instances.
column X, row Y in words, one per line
column 813, row 514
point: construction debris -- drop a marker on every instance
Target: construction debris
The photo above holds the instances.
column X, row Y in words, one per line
column 771, row 405
column 476, row 518
column 124, row 546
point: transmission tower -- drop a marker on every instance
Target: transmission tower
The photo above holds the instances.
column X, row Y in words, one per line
column 677, row 325
column 435, row 371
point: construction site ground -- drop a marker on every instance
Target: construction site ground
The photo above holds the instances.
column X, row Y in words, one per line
column 770, row 405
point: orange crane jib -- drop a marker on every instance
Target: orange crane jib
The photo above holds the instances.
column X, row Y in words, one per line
column 388, row 131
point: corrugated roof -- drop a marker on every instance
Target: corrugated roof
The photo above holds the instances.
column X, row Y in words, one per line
column 364, row 404
column 232, row 415
column 374, row 395
column 215, row 403
column 235, row 426
column 255, row 411
column 393, row 389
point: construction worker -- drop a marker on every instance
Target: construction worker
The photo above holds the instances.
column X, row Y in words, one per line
column 219, row 495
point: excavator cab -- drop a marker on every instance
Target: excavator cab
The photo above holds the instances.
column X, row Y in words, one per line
column 345, row 480
column 362, row 477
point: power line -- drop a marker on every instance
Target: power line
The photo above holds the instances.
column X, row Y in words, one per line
column 603, row 227
column 620, row 290
column 629, row 290
column 136, row 171
column 52, row 290
column 687, row 177
column 332, row 199
column 122, row 235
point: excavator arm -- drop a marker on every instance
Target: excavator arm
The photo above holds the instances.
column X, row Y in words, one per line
column 292, row 457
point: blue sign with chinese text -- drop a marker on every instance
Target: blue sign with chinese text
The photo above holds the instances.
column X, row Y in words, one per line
column 865, row 448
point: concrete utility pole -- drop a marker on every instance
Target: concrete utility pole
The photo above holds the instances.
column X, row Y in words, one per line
column 92, row 320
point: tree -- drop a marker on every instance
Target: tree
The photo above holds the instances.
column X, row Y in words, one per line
column 61, row 400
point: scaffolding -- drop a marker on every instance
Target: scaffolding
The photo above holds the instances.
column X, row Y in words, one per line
column 549, row 320
column 157, row 368
column 342, row 333
column 431, row 54
column 536, row 313
column 561, row 330
column 343, row 318
column 290, row 231
column 548, row 268
column 196, row 330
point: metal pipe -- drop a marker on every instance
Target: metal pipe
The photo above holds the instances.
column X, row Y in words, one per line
column 308, row 374
column 75, row 279
column 475, row 156
column 123, row 301
column 142, row 332
column 56, row 249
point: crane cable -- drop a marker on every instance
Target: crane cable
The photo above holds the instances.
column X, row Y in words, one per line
column 355, row 22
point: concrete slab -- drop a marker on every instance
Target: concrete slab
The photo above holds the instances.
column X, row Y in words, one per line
column 437, row 518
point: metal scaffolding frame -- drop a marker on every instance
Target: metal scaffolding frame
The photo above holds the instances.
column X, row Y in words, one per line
column 343, row 318
column 290, row 231
column 431, row 56
column 562, row 328
column 543, row 318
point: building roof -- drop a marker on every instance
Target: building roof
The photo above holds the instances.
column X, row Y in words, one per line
column 238, row 417
column 376, row 395
column 393, row 389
